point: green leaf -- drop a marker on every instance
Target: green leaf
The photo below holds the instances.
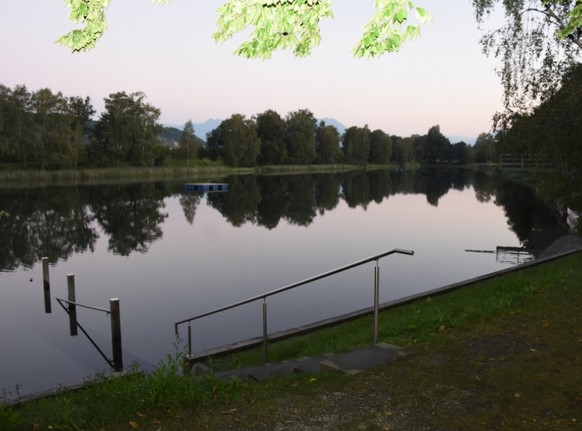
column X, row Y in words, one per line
column 275, row 24
column 574, row 23
column 389, row 28
column 92, row 14
column 422, row 15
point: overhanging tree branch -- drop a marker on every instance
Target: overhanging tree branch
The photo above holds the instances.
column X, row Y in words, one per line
column 555, row 20
column 275, row 25
column 536, row 46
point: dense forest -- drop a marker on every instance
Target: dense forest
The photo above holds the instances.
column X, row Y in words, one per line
column 47, row 130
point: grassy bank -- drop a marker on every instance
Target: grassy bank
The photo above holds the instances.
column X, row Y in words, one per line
column 109, row 175
column 500, row 354
column 20, row 178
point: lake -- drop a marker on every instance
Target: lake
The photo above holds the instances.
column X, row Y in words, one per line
column 169, row 254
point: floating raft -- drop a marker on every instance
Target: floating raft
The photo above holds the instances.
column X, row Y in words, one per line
column 206, row 187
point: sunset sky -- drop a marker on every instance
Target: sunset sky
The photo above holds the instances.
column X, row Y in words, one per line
column 167, row 51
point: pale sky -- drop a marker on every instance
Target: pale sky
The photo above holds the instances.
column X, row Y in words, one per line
column 167, row 51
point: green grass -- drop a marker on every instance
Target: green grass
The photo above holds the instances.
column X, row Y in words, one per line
column 499, row 354
column 98, row 176
column 109, row 400
column 174, row 169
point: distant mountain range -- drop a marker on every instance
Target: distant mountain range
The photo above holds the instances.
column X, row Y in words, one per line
column 172, row 132
column 200, row 129
column 333, row 122
column 470, row 140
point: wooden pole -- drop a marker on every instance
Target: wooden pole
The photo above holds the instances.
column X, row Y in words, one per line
column 72, row 307
column 46, row 284
column 116, row 334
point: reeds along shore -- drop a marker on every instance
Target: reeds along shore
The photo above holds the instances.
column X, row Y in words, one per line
column 125, row 174
column 19, row 178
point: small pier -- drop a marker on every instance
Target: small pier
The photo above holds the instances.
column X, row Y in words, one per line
column 206, row 187
column 512, row 255
column 515, row 255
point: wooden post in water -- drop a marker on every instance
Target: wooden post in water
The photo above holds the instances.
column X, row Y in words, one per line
column 116, row 334
column 46, row 284
column 72, row 307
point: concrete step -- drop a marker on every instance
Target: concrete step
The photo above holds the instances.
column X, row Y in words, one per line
column 352, row 362
column 363, row 359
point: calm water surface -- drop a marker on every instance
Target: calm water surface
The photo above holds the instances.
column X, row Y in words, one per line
column 169, row 255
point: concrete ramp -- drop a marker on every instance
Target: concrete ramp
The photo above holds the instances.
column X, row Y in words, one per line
column 363, row 359
column 352, row 362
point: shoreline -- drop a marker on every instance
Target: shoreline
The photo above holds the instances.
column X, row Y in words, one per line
column 563, row 247
column 96, row 176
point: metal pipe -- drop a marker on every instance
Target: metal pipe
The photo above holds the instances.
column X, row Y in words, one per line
column 264, row 297
column 189, row 340
column 300, row 283
column 84, row 306
column 265, row 333
column 376, row 303
column 60, row 302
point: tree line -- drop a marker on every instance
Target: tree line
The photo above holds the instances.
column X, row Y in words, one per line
column 298, row 138
column 47, row 130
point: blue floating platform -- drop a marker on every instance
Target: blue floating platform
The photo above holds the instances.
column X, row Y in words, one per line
column 206, row 187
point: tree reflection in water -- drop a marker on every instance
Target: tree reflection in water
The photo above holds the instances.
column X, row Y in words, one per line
column 59, row 221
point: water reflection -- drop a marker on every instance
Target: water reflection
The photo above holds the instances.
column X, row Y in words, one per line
column 52, row 222
column 297, row 199
column 131, row 216
column 59, row 221
column 189, row 203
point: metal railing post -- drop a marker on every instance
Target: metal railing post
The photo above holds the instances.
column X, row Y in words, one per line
column 46, row 284
column 189, row 339
column 116, row 334
column 265, row 335
column 376, row 303
column 72, row 306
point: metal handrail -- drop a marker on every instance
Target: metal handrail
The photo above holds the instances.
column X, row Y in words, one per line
column 70, row 308
column 108, row 312
column 264, row 296
column 73, row 317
